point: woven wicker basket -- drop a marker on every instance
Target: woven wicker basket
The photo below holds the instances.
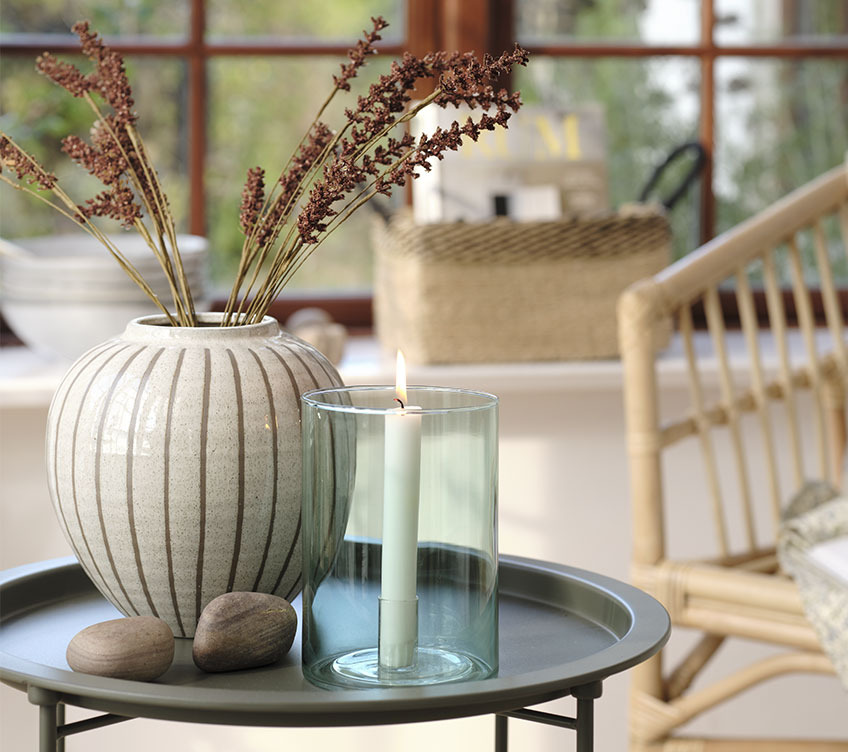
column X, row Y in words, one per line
column 508, row 291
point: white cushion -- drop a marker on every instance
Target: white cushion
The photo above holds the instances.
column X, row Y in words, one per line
column 832, row 556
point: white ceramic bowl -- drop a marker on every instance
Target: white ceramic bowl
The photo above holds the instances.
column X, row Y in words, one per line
column 63, row 294
column 81, row 259
column 79, row 290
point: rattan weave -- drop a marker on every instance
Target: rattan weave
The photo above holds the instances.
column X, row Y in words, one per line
column 509, row 291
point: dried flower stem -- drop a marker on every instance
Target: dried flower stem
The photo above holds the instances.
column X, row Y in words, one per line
column 255, row 254
column 358, row 166
column 24, row 189
column 118, row 157
column 328, row 177
column 151, row 194
column 84, row 223
column 298, row 258
column 167, row 220
column 285, row 266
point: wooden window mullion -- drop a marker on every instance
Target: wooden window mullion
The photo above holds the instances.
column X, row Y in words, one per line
column 197, row 109
column 706, row 124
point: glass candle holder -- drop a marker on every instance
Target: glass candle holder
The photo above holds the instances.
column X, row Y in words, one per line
column 399, row 536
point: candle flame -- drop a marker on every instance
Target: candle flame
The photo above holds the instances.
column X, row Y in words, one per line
column 400, row 378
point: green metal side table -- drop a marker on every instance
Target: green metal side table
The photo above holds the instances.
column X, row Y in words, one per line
column 562, row 632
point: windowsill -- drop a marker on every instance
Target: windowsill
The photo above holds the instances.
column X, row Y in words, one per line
column 28, row 380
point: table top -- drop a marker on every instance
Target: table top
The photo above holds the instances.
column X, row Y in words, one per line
column 560, row 628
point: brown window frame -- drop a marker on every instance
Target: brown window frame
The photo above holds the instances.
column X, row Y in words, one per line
column 480, row 25
column 708, row 51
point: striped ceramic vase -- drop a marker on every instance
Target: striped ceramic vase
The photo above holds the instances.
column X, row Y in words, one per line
column 174, row 463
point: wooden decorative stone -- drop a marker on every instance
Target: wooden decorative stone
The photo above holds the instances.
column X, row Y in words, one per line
column 140, row 648
column 243, row 630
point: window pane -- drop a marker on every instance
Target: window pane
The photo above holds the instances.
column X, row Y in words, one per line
column 320, row 21
column 38, row 114
column 141, row 17
column 651, row 106
column 259, row 110
column 650, row 21
column 752, row 21
column 778, row 125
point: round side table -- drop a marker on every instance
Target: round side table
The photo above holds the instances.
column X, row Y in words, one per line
column 562, row 632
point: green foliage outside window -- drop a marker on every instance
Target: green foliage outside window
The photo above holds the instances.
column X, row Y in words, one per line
column 779, row 123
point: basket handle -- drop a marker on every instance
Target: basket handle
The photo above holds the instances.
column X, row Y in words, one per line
column 697, row 165
column 380, row 211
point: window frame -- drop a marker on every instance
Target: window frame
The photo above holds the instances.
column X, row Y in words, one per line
column 480, row 25
column 708, row 52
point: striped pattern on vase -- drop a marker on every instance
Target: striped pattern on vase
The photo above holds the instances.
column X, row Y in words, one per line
column 174, row 463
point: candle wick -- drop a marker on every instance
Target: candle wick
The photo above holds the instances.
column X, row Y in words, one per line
column 396, row 399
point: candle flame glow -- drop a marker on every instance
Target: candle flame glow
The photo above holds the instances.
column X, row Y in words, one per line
column 400, row 378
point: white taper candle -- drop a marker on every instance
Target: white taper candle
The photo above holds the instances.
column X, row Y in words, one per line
column 401, row 479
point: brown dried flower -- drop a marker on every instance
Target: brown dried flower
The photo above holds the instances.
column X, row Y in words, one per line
column 116, row 203
column 24, row 165
column 107, row 167
column 330, row 175
column 252, row 199
column 68, row 76
column 364, row 48
column 462, row 80
column 109, row 76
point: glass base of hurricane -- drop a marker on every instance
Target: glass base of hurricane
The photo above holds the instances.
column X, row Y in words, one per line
column 361, row 669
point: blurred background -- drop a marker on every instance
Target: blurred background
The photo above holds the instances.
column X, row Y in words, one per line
column 221, row 86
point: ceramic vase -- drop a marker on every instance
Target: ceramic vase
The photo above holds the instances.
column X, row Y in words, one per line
column 174, row 463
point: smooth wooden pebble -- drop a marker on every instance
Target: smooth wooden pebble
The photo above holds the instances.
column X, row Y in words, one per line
column 137, row 647
column 243, row 630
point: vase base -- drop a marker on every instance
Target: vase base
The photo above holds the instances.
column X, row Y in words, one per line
column 361, row 669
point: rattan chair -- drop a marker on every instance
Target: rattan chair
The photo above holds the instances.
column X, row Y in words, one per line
column 752, row 416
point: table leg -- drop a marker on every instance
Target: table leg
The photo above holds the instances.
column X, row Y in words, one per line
column 586, row 696
column 501, row 732
column 47, row 741
column 48, row 718
column 60, row 721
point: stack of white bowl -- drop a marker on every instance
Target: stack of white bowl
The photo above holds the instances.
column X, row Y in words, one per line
column 63, row 294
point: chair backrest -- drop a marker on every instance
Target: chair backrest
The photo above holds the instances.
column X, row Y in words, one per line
column 776, row 269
